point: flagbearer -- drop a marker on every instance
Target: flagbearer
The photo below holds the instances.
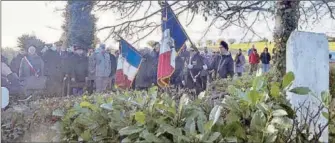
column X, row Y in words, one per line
column 195, row 66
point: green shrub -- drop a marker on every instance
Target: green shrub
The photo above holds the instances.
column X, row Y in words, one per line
column 258, row 113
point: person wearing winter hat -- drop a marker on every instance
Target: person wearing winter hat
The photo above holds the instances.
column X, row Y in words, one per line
column 224, row 63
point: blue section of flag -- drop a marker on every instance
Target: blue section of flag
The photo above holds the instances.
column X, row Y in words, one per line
column 128, row 52
column 171, row 22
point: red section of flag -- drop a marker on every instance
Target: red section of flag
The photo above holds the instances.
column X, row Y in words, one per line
column 121, row 79
column 165, row 69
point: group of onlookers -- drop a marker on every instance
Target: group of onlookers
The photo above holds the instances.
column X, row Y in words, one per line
column 255, row 59
column 60, row 66
column 97, row 67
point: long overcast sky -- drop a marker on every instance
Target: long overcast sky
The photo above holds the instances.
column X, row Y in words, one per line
column 41, row 19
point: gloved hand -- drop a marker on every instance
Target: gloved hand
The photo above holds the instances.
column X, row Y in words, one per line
column 204, row 67
column 194, row 80
column 189, row 66
column 183, row 82
column 72, row 79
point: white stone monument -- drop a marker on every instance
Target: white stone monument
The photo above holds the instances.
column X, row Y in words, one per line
column 307, row 56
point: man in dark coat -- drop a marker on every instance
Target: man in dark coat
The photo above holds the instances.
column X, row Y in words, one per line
column 195, row 66
column 155, row 56
column 15, row 63
column 79, row 70
column 113, row 69
column 145, row 77
column 224, row 63
column 52, row 70
column 176, row 78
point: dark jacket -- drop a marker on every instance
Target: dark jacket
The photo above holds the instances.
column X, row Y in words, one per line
column 176, row 77
column 144, row 77
column 65, row 65
column 197, row 62
column 113, row 64
column 52, row 63
column 15, row 63
column 265, row 58
column 224, row 65
column 155, row 57
column 79, row 67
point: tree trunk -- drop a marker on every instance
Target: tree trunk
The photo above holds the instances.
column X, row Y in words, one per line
column 287, row 18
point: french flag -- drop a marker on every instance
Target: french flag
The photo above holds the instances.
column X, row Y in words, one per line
column 172, row 32
column 128, row 64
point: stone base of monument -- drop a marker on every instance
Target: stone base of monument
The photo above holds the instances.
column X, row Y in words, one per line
column 307, row 56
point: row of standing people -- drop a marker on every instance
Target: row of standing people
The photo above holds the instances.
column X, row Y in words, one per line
column 193, row 69
column 58, row 65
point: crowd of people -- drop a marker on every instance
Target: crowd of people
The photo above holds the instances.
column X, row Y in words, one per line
column 97, row 67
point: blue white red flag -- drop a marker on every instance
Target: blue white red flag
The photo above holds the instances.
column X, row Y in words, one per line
column 173, row 41
column 129, row 62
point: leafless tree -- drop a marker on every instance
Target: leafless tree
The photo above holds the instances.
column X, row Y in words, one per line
column 221, row 15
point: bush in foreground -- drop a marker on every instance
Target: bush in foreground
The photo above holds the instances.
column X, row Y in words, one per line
column 258, row 113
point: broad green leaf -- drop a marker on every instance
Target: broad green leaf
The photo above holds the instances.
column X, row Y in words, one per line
column 190, row 126
column 254, row 96
column 279, row 112
column 289, row 110
column 231, row 117
column 140, row 117
column 215, row 113
column 208, row 126
column 270, row 138
column 301, row 90
column 325, row 96
column 58, row 113
column 126, row 140
column 86, row 135
column 214, row 137
column 107, row 106
column 258, row 83
column 130, row 130
column 275, row 90
column 258, row 121
column 184, row 100
column 176, row 132
column 231, row 104
column 326, row 115
column 86, row 104
column 202, row 95
column 288, row 79
column 271, row 129
column 263, row 107
column 282, row 122
column 149, row 137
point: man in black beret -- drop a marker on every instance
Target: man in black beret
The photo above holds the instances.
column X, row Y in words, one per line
column 224, row 63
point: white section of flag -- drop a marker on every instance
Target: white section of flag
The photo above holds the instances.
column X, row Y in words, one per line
column 165, row 46
column 127, row 69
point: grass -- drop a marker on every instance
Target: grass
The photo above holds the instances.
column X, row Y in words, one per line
column 259, row 46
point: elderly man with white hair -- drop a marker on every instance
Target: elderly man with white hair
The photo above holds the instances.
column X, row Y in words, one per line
column 32, row 64
column 31, row 69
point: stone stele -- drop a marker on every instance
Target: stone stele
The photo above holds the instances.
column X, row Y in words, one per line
column 307, row 56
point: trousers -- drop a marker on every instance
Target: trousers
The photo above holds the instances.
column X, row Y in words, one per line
column 101, row 83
